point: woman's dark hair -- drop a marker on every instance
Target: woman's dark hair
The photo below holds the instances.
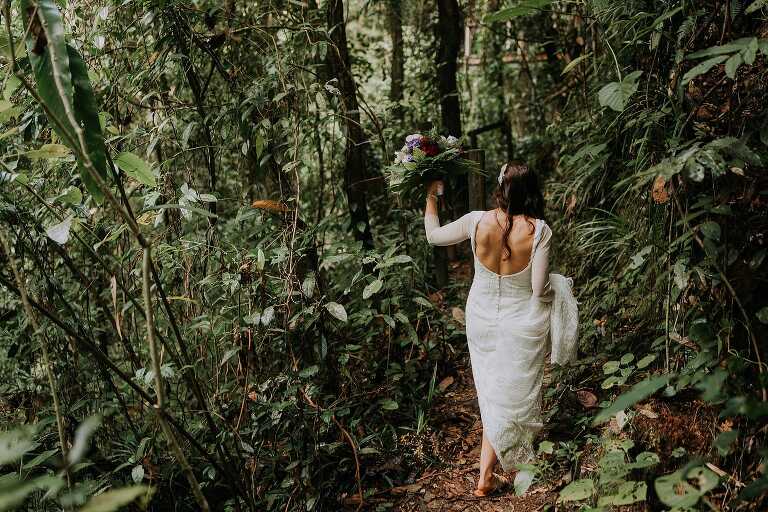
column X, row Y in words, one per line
column 519, row 193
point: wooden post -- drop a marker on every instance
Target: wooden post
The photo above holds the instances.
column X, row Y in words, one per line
column 477, row 199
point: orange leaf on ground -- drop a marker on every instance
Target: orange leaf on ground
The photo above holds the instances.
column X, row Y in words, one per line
column 659, row 192
column 268, row 204
column 445, row 383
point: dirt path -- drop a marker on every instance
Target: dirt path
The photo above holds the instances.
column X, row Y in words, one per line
column 456, row 420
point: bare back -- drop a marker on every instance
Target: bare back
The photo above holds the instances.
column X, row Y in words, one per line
column 489, row 244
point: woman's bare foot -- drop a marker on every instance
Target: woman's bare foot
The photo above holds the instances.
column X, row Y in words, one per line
column 488, row 486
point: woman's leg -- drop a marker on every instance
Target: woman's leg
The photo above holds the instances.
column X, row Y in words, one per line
column 487, row 463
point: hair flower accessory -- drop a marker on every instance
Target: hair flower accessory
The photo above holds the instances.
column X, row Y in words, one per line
column 501, row 174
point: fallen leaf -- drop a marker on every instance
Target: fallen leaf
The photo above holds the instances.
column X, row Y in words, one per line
column 406, row 489
column 586, row 398
column 268, row 204
column 659, row 192
column 445, row 383
column 458, row 314
column 647, row 413
column 436, row 297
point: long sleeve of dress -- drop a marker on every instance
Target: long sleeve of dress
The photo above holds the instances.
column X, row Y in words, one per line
column 452, row 233
column 540, row 266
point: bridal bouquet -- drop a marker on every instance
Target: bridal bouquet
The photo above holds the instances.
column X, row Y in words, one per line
column 424, row 159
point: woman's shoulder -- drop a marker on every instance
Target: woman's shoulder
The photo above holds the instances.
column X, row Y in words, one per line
column 544, row 231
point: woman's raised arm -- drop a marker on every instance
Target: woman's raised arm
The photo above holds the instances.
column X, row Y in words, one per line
column 452, row 233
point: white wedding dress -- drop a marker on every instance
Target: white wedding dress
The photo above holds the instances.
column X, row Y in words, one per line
column 512, row 321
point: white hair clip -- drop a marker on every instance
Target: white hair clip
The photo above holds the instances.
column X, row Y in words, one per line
column 501, row 174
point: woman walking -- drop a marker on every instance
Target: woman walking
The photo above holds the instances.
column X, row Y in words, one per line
column 511, row 320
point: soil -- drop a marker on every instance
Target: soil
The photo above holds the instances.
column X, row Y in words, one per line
column 448, row 484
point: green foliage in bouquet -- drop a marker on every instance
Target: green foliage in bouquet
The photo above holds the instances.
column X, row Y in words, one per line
column 424, row 159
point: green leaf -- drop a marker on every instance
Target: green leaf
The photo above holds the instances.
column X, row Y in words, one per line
column 757, row 4
column 645, row 361
column 309, row 371
column 48, row 151
column 638, row 392
column 711, row 230
column 732, row 64
column 82, row 436
column 725, row 440
column 308, row 286
column 14, row 444
column 137, row 474
column 575, row 62
column 51, row 45
column 610, row 367
column 616, row 95
column 626, row 494
column 59, row 233
column 13, row 492
column 116, row 498
column 732, row 47
column 267, row 315
column 337, row 311
column 54, row 61
column 87, row 115
column 136, row 168
column 372, row 288
column 40, row 458
column 627, row 358
column 388, row 404
column 71, row 195
column 577, row 490
column 523, row 480
column 524, row 8
column 422, row 301
column 546, row 447
column 645, row 460
column 762, row 315
column 750, row 52
column 702, row 68
column 684, row 487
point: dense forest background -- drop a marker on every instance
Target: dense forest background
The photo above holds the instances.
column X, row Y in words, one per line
column 209, row 299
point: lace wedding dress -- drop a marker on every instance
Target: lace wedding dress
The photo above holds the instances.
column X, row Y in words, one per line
column 512, row 321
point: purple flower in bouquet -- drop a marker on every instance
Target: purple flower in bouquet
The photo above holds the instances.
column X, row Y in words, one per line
column 413, row 141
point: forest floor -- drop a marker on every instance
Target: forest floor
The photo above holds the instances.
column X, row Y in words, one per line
column 449, row 487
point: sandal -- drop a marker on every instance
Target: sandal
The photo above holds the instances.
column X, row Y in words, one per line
column 498, row 483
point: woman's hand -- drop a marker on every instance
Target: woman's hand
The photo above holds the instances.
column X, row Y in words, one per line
column 434, row 188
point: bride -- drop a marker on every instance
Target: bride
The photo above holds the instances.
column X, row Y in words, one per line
column 516, row 312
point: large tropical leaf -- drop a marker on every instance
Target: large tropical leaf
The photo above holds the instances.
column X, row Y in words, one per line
column 615, row 95
column 62, row 83
column 115, row 499
column 703, row 67
column 639, row 391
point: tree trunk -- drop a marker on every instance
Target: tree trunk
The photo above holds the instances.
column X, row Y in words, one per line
column 397, row 71
column 449, row 36
column 354, row 153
